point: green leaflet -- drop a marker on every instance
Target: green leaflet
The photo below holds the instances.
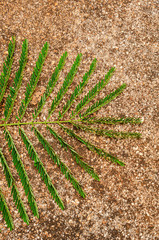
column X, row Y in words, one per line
column 75, row 155
column 17, row 82
column 5, row 211
column 78, row 90
column 108, row 133
column 92, row 147
column 6, row 170
column 64, row 169
column 22, row 173
column 39, row 165
column 51, row 85
column 33, row 81
column 96, row 106
column 11, row 183
column 67, row 82
column 7, row 68
column 93, row 92
column 111, row 121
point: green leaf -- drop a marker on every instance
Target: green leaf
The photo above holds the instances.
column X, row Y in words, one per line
column 22, row 173
column 39, row 165
column 7, row 68
column 64, row 169
column 11, row 183
column 82, row 123
column 51, row 85
column 93, row 148
column 108, row 133
column 96, row 106
column 66, row 84
column 111, row 121
column 93, row 92
column 5, row 211
column 78, row 90
column 75, row 155
column 33, row 81
column 17, row 82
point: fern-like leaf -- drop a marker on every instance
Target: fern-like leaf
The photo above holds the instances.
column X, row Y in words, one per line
column 64, row 169
column 67, row 82
column 11, row 183
column 5, row 211
column 93, row 92
column 75, row 155
column 22, row 173
column 7, row 68
column 93, row 148
column 82, row 123
column 39, row 165
column 33, row 81
column 51, row 85
column 17, row 82
column 78, row 90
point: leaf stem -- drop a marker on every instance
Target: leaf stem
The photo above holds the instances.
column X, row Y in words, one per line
column 33, row 123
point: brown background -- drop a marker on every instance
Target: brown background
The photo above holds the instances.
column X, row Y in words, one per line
column 124, row 204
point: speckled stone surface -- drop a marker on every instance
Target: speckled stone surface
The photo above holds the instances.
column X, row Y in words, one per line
column 124, row 34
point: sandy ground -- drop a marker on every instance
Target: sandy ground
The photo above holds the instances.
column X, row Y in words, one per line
column 123, row 33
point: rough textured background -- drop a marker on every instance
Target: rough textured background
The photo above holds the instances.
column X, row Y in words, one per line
column 123, row 33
